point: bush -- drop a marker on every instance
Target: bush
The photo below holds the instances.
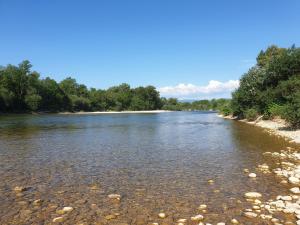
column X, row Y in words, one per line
column 292, row 114
column 226, row 110
column 275, row 110
column 251, row 114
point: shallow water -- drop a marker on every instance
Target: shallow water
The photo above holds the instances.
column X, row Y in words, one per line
column 156, row 162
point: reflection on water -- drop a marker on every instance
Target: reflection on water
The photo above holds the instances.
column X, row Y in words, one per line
column 156, row 162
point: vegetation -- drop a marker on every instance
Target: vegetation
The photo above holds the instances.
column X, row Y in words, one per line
column 22, row 90
column 271, row 87
column 214, row 104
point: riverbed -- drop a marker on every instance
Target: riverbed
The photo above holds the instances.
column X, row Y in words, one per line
column 133, row 168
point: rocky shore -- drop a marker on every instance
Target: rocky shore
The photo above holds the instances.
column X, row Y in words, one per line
column 276, row 127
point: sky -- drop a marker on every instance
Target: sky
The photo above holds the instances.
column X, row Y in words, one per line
column 187, row 49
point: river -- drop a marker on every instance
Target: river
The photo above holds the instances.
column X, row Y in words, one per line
column 156, row 162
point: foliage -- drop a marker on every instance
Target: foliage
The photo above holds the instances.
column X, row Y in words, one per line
column 22, row 90
column 251, row 114
column 276, row 110
column 213, row 104
column 272, row 86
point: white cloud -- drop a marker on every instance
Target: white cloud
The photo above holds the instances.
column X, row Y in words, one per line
column 213, row 88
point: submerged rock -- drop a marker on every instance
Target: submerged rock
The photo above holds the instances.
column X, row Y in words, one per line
column 197, row 217
column 203, row 206
column 234, row 221
column 115, row 196
column 162, row 215
column 67, row 209
column 253, row 195
column 37, row 202
column 250, row 214
column 252, row 175
column 19, row 189
column 110, row 217
column 58, row 219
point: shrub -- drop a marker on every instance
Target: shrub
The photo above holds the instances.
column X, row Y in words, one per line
column 226, row 110
column 292, row 114
column 275, row 110
column 251, row 114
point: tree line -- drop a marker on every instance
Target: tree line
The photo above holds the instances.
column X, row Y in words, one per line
column 270, row 88
column 22, row 90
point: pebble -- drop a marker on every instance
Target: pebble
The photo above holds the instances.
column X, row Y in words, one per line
column 67, row 209
column 295, row 190
column 19, row 189
column 37, row 202
column 252, row 175
column 110, row 217
column 162, row 215
column 250, row 214
column 234, row 221
column 246, row 171
column 203, row 206
column 197, row 217
column 294, row 180
column 252, row 195
column 58, row 219
column 115, row 196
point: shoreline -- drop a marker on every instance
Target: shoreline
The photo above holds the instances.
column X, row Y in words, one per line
column 276, row 127
column 115, row 112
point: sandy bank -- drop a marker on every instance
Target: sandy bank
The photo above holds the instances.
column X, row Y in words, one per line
column 116, row 112
column 276, row 127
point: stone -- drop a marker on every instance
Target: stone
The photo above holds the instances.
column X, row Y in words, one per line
column 115, row 196
column 286, row 198
column 110, row 217
column 181, row 221
column 295, row 190
column 252, row 195
column 234, row 221
column 221, row 223
column 256, row 207
column 197, row 217
column 162, row 215
column 203, row 206
column 67, row 209
column 19, row 189
column 58, row 219
column 210, row 181
column 37, row 202
column 250, row 214
column 252, row 175
column 294, row 180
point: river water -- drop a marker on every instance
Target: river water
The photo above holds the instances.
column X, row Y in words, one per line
column 156, row 162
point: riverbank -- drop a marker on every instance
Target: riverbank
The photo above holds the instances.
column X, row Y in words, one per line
column 115, row 112
column 277, row 127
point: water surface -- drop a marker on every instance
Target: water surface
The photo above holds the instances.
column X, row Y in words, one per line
column 156, row 162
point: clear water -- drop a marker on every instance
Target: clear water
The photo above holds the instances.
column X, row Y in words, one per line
column 156, row 162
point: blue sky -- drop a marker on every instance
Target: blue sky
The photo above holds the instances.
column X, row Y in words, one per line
column 187, row 49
